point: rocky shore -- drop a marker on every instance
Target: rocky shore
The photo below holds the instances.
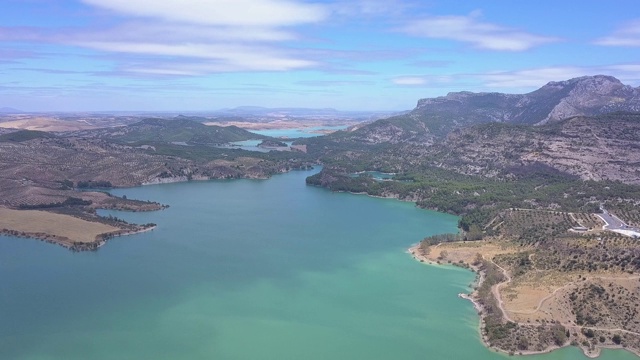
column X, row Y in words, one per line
column 485, row 305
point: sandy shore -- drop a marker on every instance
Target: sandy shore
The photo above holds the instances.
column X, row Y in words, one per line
column 133, row 232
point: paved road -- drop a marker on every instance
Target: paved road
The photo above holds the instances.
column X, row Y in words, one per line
column 615, row 224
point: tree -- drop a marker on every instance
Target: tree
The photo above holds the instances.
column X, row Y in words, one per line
column 617, row 339
column 559, row 334
column 474, row 233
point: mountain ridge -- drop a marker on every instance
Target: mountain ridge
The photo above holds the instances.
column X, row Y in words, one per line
column 179, row 130
column 10, row 110
column 555, row 101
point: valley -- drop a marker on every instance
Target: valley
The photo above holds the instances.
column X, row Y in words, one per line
column 529, row 188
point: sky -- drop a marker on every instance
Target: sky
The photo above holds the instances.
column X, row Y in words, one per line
column 201, row 55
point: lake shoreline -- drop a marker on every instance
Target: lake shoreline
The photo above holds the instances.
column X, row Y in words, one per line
column 77, row 246
column 418, row 254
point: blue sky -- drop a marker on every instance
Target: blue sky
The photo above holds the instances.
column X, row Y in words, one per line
column 199, row 55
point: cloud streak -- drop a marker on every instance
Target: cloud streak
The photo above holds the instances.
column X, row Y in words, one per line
column 261, row 13
column 627, row 35
column 530, row 79
column 191, row 37
column 470, row 29
column 222, row 57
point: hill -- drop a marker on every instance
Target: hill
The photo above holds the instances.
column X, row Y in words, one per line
column 602, row 147
column 177, row 130
column 436, row 117
column 25, row 135
column 573, row 164
column 9, row 110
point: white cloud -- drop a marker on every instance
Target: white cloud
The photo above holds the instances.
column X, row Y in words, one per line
column 265, row 13
column 628, row 35
column 519, row 80
column 371, row 8
column 180, row 33
column 333, row 83
column 191, row 37
column 415, row 80
column 630, row 68
column 470, row 29
column 535, row 78
column 220, row 57
column 530, row 78
column 409, row 80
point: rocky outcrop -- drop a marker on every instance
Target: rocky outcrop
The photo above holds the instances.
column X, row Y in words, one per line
column 593, row 148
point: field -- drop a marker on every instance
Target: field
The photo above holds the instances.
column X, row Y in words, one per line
column 46, row 124
column 64, row 229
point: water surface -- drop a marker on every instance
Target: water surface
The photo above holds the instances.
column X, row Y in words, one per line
column 306, row 132
column 245, row 269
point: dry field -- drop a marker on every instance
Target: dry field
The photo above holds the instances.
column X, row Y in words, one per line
column 591, row 307
column 46, row 124
column 57, row 225
column 466, row 252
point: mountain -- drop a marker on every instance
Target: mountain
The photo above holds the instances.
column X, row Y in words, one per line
column 601, row 147
column 8, row 110
column 436, row 117
column 178, row 131
column 25, row 135
column 252, row 112
column 258, row 110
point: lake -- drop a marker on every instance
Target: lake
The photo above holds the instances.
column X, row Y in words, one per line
column 245, row 269
column 292, row 133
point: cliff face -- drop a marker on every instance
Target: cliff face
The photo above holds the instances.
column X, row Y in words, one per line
column 587, row 96
column 590, row 95
column 436, row 117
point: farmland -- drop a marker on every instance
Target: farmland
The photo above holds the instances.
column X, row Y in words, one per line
column 63, row 229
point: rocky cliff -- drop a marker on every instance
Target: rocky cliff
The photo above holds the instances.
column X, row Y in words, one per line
column 436, row 117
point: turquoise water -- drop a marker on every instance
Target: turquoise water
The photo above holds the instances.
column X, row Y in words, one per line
column 250, row 145
column 245, row 269
column 376, row 175
column 298, row 133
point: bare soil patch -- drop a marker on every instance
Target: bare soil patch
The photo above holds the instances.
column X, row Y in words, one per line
column 56, row 225
column 46, row 124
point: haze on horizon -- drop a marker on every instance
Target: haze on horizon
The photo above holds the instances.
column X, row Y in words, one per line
column 195, row 55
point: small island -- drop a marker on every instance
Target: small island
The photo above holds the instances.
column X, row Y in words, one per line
column 273, row 144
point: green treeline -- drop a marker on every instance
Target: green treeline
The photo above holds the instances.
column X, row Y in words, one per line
column 478, row 200
column 70, row 201
column 94, row 184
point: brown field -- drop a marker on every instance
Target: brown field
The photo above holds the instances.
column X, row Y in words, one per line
column 545, row 301
column 57, row 225
column 535, row 300
column 590, row 305
column 466, row 251
column 46, row 124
